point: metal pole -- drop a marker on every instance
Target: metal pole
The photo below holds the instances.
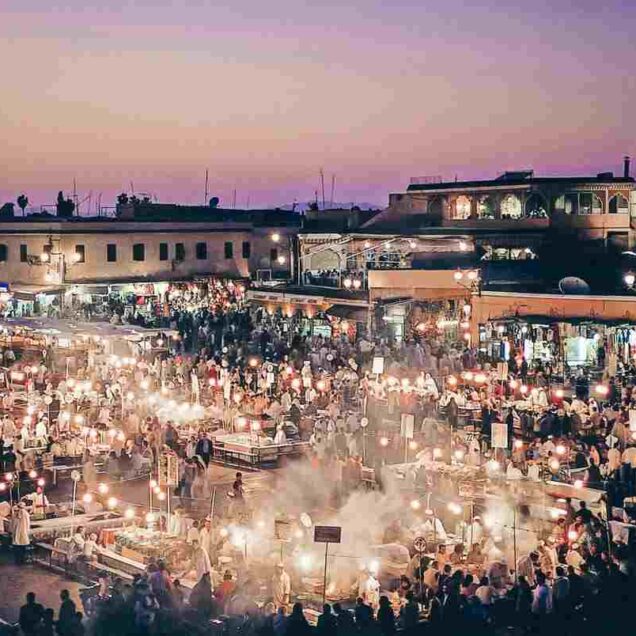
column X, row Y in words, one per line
column 324, row 580
column 212, row 502
column 73, row 507
column 514, row 540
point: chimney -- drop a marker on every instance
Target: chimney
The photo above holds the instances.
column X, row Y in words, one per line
column 626, row 161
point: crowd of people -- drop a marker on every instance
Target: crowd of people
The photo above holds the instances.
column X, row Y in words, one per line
column 234, row 368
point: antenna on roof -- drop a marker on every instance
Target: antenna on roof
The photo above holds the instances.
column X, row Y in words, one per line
column 205, row 195
column 322, row 187
column 333, row 188
column 132, row 188
column 234, row 199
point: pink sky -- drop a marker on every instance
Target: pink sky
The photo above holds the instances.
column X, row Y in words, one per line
column 265, row 94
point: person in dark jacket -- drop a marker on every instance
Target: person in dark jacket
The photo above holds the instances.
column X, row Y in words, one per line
column 344, row 619
column 327, row 623
column 66, row 617
column 297, row 624
column 30, row 615
column 386, row 617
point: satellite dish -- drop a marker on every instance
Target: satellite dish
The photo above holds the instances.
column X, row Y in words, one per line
column 573, row 285
column 305, row 519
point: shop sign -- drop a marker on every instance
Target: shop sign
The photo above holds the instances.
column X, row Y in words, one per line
column 168, row 469
column 327, row 534
column 407, row 424
column 499, row 435
column 378, row 365
column 282, row 530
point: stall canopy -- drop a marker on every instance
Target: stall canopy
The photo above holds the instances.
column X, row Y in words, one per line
column 357, row 314
column 29, row 292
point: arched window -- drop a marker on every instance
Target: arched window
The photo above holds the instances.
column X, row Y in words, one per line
column 486, row 208
column 589, row 203
column 436, row 207
column 462, row 208
column 510, row 207
column 536, row 207
column 618, row 204
column 567, row 203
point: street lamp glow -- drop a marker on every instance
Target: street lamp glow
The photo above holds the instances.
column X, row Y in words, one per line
column 129, row 513
column 87, row 498
column 112, row 502
column 384, row 441
column 458, row 275
column 629, row 279
column 415, row 504
column 275, row 237
column 102, row 488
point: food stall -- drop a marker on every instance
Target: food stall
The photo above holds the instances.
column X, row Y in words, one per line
column 253, row 449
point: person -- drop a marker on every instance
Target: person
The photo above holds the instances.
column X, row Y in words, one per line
column 541, row 597
column 410, row 612
column 66, row 615
column 47, row 626
column 327, row 624
column 280, row 622
column 30, row 615
column 485, row 592
column 561, row 592
column 237, row 487
column 201, row 596
column 201, row 560
column 386, row 617
column 344, row 619
column 523, row 600
column 204, row 448
column 21, row 530
column 363, row 613
column 297, row 624
column 281, row 587
column 225, row 590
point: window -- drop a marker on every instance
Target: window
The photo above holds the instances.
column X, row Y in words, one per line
column 462, row 208
column 618, row 205
column 536, row 207
column 246, row 249
column 179, row 251
column 80, row 254
column 4, row 253
column 273, row 255
column 229, row 249
column 47, row 249
column 139, row 252
column 589, row 203
column 163, row 251
column 485, row 208
column 111, row 252
column 510, row 207
column 24, row 253
column 201, row 251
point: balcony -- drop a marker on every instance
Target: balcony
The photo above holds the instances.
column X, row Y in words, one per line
column 523, row 223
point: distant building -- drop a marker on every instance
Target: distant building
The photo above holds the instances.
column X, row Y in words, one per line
column 46, row 255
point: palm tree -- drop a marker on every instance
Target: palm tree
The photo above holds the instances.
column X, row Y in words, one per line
column 22, row 201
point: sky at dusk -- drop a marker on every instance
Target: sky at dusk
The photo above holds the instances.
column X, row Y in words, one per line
column 264, row 94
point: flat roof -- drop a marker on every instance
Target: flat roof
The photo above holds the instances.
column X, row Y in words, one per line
column 518, row 180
